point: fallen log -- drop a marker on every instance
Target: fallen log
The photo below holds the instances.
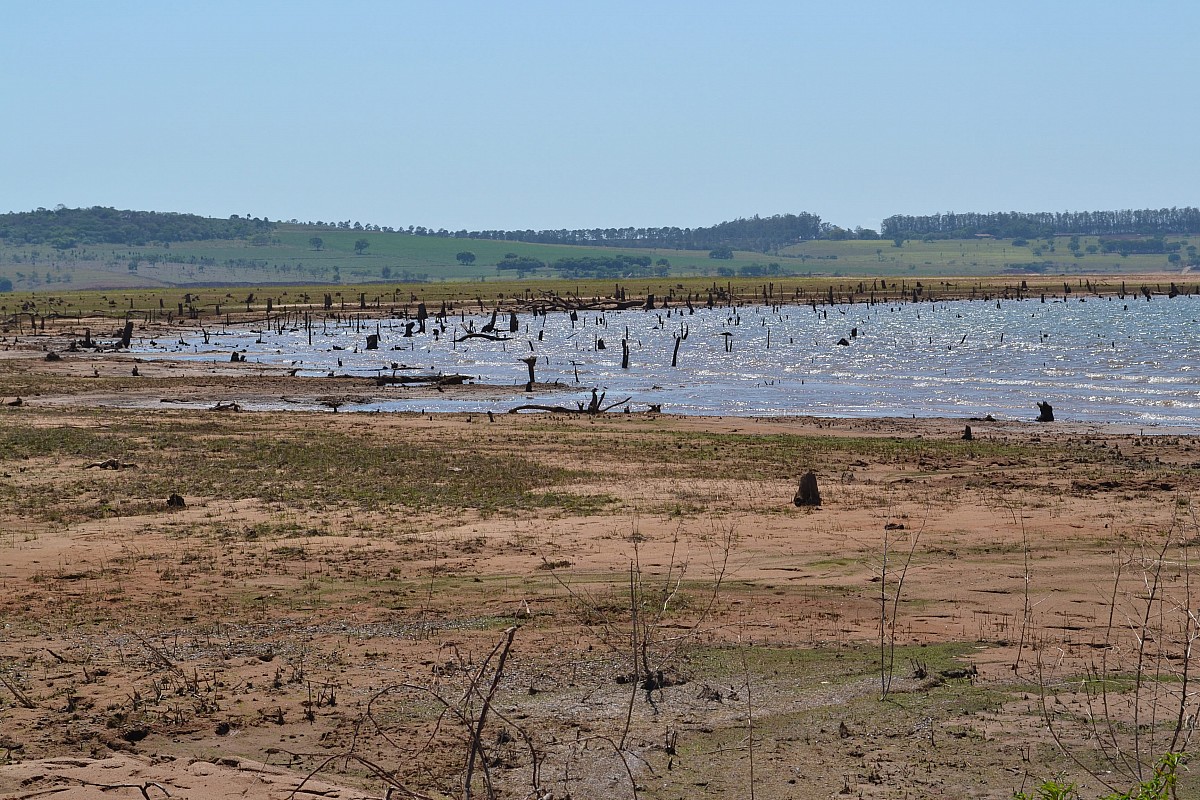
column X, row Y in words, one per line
column 596, row 406
column 436, row 380
column 491, row 337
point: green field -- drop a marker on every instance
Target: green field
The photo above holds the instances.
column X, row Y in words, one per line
column 287, row 258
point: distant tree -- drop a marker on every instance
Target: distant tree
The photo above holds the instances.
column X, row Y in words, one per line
column 662, row 262
column 316, row 243
column 5, row 285
column 386, row 272
column 361, row 246
column 723, row 252
column 465, row 257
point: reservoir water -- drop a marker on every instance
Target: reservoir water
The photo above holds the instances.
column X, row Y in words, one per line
column 1095, row 360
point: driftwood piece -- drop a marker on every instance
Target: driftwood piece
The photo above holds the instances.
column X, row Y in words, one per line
column 110, row 463
column 230, row 406
column 808, row 494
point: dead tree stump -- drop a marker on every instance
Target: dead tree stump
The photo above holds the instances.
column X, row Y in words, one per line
column 372, row 341
column 967, row 434
column 175, row 501
column 530, row 362
column 808, row 494
column 127, row 333
column 1045, row 412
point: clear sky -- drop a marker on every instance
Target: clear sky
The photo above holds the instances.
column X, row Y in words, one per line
column 598, row 114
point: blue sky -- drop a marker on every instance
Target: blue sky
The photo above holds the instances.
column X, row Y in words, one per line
column 582, row 114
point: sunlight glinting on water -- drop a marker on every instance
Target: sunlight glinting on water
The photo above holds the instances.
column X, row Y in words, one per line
column 1099, row 360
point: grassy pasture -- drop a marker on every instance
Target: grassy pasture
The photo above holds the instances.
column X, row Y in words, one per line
column 973, row 257
column 289, row 259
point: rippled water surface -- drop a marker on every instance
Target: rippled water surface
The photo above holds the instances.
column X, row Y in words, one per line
column 1097, row 360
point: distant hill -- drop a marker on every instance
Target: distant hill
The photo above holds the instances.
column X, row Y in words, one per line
column 108, row 248
column 65, row 228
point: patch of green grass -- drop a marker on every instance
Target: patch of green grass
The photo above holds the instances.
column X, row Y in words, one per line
column 314, row 466
column 19, row 441
column 809, row 666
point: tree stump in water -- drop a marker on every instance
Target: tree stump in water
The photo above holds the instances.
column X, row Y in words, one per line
column 127, row 333
column 1045, row 412
column 530, row 362
column 808, row 494
column 372, row 341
